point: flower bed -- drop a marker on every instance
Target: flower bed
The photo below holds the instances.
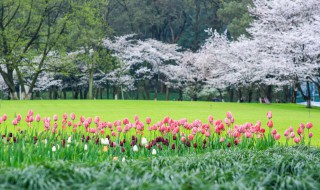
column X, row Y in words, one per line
column 94, row 140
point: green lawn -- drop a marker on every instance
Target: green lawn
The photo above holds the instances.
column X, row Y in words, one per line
column 284, row 115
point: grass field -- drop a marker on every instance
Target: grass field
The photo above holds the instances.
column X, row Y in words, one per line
column 284, row 115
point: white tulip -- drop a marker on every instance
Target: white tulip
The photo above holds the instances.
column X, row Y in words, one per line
column 144, row 141
column 154, row 152
column 85, row 147
column 135, row 148
column 69, row 140
column 54, row 149
column 105, row 141
column 123, row 159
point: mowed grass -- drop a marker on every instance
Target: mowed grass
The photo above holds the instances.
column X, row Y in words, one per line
column 284, row 115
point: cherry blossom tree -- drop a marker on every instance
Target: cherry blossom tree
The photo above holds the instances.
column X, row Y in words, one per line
column 288, row 31
column 151, row 57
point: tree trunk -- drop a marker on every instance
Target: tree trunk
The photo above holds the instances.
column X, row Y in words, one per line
column 269, row 93
column 308, row 95
column 90, row 92
column 230, row 92
column 294, row 95
column 239, row 95
column 13, row 96
column 101, row 93
column 168, row 92
column 50, row 93
column 250, row 93
column 196, row 26
column 180, row 94
column 108, row 90
column 64, row 94
column 81, row 93
column 146, row 89
column 155, row 97
column 55, row 92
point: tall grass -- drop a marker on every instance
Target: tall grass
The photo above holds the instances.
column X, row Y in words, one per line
column 294, row 167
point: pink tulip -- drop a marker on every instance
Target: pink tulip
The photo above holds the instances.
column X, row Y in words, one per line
column 190, row 137
column 18, row 117
column 55, row 117
column 72, row 116
column 30, row 113
column 310, row 135
column 296, row 140
column 221, row 139
column 292, row 135
column 38, row 118
column 210, row 119
column 92, row 130
column 227, row 121
column 232, row 120
column 248, row 135
column 270, row 124
column 65, row 116
column 290, row 129
column 309, row 125
column 4, row 117
column 82, row 119
column 302, row 125
column 125, row 121
column 166, row 119
column 27, row 119
column 286, row 133
column 258, row 124
column 31, row 119
column 207, row 134
column 96, row 119
column 15, row 122
column 119, row 128
column 300, row 131
column 183, row 139
column 69, row 123
column 269, row 114
column 229, row 115
column 274, row 131
column 277, row 136
column 136, row 117
column 148, row 120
